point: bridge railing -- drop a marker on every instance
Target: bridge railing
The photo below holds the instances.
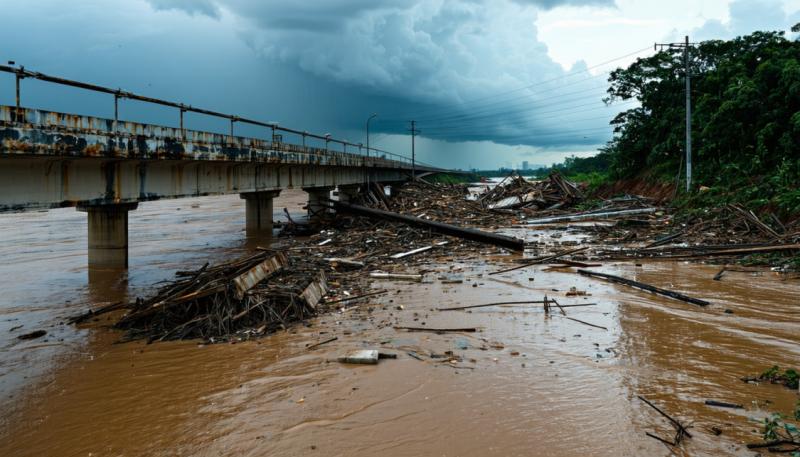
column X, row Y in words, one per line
column 149, row 130
column 39, row 132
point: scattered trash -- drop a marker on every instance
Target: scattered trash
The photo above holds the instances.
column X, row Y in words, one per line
column 361, row 356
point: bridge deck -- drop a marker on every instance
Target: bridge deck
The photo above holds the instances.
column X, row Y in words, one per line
column 50, row 159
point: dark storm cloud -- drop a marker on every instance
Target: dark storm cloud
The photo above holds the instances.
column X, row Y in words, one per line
column 430, row 60
column 206, row 7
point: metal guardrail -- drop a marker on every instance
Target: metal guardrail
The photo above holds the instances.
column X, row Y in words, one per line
column 21, row 73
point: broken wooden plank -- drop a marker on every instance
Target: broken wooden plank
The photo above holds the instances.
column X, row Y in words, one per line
column 647, row 287
column 406, row 277
column 440, row 227
column 345, row 262
column 401, row 255
column 258, row 273
column 314, row 292
column 360, row 356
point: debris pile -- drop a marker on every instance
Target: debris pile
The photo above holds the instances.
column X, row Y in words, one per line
column 234, row 298
column 437, row 202
column 516, row 192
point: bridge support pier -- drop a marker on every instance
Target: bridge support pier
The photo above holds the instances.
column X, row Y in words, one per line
column 258, row 212
column 347, row 193
column 317, row 203
column 108, row 234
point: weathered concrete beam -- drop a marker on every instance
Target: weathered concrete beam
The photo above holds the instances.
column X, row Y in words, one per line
column 108, row 234
column 258, row 212
column 52, row 182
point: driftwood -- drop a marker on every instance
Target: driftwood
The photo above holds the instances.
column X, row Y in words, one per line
column 527, row 302
column 437, row 330
column 446, row 229
column 540, row 260
column 583, row 322
column 647, row 287
column 681, row 429
column 321, row 343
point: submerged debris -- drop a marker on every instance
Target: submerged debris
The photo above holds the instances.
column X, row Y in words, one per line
column 215, row 303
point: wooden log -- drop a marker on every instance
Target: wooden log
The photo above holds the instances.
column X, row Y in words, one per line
column 406, row 277
column 723, row 404
column 439, row 227
column 647, row 287
column 437, row 330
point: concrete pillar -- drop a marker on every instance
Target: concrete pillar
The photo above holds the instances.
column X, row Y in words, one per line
column 258, row 212
column 108, row 234
column 317, row 203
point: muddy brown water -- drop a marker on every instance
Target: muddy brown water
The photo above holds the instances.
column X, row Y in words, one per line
column 527, row 384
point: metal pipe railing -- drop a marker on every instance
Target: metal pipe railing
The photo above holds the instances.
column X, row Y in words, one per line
column 21, row 73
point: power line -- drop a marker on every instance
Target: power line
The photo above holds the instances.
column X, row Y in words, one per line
column 539, row 83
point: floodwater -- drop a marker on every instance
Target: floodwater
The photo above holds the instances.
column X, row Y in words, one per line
column 526, row 383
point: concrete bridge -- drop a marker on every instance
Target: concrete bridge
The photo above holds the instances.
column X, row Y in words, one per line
column 105, row 167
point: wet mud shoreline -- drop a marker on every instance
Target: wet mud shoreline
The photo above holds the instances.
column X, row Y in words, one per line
column 525, row 383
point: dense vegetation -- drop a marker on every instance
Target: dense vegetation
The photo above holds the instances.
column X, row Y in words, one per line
column 745, row 122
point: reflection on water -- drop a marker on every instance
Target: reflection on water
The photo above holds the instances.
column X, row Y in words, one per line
column 527, row 384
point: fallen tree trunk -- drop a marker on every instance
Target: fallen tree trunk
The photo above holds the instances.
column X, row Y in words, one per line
column 446, row 229
column 647, row 287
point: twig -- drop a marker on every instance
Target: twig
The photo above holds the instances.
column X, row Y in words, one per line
column 308, row 348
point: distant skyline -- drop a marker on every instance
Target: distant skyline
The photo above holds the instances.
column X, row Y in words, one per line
column 490, row 83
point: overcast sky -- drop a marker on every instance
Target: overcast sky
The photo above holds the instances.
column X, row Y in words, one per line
column 490, row 82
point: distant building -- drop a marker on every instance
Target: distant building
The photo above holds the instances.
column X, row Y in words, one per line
column 525, row 165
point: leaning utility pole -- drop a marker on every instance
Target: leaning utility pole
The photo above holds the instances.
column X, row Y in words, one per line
column 414, row 132
column 685, row 45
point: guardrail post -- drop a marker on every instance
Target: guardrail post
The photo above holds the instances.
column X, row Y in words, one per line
column 18, row 78
column 183, row 131
column 116, row 112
